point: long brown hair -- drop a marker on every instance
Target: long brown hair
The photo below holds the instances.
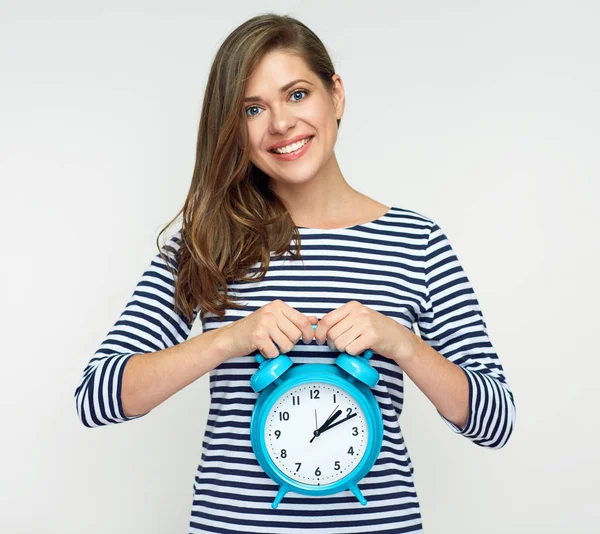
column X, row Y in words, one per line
column 231, row 218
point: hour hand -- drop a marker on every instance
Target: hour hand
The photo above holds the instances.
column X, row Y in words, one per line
column 331, row 424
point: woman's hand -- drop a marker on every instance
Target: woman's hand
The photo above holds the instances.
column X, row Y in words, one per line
column 274, row 323
column 353, row 328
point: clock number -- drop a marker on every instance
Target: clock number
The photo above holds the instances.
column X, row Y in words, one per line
column 318, row 472
column 283, row 453
column 337, row 465
column 298, row 464
column 348, row 411
column 314, row 394
column 354, row 431
column 296, row 400
column 277, row 433
column 334, row 401
column 351, row 451
column 284, row 416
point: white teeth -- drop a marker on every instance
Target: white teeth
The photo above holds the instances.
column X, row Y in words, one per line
column 292, row 147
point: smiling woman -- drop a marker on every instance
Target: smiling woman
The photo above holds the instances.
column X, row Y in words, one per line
column 267, row 182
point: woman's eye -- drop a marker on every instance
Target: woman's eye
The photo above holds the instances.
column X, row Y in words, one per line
column 299, row 91
column 294, row 100
column 249, row 108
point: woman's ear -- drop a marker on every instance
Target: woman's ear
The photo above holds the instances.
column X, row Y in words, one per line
column 338, row 95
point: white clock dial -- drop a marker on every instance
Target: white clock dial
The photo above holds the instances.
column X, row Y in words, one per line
column 316, row 459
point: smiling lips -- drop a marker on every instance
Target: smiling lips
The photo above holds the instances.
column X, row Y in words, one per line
column 293, row 151
column 291, row 145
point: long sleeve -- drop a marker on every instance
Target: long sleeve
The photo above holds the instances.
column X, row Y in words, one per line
column 147, row 324
column 452, row 322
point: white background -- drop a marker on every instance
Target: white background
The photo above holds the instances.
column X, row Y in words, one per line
column 481, row 115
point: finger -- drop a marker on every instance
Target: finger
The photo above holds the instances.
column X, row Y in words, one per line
column 357, row 346
column 267, row 348
column 291, row 332
column 333, row 318
column 313, row 321
column 343, row 332
column 302, row 322
column 282, row 340
column 348, row 338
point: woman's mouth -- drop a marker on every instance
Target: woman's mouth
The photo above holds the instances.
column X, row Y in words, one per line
column 295, row 154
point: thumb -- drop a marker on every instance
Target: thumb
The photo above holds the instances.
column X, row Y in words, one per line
column 313, row 319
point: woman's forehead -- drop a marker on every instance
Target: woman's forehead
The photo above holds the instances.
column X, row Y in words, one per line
column 277, row 69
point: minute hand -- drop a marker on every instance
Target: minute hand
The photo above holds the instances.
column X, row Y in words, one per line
column 338, row 422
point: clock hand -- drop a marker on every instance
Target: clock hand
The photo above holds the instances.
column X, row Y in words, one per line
column 331, row 414
column 329, row 420
column 321, row 430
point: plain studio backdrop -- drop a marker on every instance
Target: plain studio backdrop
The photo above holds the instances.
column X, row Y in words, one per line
column 481, row 115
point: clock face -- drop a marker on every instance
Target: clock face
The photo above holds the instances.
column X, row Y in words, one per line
column 302, row 447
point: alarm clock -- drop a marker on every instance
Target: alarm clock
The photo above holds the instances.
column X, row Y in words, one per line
column 316, row 428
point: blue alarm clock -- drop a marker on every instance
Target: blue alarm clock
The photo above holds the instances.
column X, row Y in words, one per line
column 316, row 428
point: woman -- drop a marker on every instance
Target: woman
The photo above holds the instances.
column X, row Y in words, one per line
column 270, row 245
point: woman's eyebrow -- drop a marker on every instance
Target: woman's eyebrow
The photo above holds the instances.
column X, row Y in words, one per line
column 282, row 90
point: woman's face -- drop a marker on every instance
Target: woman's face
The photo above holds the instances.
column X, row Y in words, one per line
column 287, row 109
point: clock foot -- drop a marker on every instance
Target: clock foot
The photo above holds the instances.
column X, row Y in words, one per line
column 282, row 491
column 354, row 489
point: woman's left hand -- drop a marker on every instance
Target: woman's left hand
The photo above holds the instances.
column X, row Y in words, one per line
column 354, row 328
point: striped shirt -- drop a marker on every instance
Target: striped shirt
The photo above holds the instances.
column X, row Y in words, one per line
column 401, row 265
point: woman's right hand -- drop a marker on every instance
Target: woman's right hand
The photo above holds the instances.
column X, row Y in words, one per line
column 274, row 323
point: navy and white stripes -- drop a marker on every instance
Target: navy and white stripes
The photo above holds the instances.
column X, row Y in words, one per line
column 401, row 265
column 453, row 324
